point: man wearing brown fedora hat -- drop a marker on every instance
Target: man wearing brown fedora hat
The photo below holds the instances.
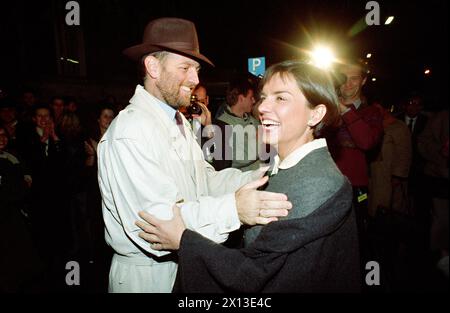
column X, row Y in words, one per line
column 149, row 160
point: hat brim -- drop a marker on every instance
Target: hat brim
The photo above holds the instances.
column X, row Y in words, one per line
column 138, row 51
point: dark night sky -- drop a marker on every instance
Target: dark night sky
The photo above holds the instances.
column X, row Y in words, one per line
column 232, row 31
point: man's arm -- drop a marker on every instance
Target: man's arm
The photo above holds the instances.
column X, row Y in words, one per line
column 215, row 266
column 218, row 268
column 139, row 182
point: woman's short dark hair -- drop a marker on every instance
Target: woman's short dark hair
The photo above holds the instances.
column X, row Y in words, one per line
column 315, row 84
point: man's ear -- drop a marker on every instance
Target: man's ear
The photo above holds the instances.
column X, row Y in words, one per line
column 152, row 66
column 317, row 114
column 240, row 99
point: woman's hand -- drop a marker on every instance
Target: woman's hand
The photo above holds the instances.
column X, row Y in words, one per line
column 163, row 235
column 90, row 147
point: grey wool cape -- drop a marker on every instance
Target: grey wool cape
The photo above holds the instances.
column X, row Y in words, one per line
column 314, row 249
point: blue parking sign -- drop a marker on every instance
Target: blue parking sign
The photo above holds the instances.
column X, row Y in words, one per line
column 257, row 66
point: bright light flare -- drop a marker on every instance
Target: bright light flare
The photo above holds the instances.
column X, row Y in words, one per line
column 369, row 55
column 322, row 57
column 389, row 20
column 427, row 72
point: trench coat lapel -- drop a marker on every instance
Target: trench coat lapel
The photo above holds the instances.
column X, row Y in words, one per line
column 181, row 145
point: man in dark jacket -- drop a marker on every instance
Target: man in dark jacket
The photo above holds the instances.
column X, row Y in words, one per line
column 416, row 121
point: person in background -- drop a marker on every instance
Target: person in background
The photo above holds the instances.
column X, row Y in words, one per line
column 70, row 105
column 57, row 106
column 201, row 120
column 20, row 266
column 104, row 118
column 238, row 129
column 28, row 100
column 414, row 118
column 8, row 119
column 388, row 190
column 360, row 132
column 433, row 145
column 42, row 152
column 389, row 171
column 98, row 251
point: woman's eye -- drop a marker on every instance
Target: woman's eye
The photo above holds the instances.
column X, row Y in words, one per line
column 281, row 98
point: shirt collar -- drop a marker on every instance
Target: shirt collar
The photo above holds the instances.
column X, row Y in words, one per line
column 40, row 131
column 164, row 106
column 228, row 110
column 297, row 155
column 357, row 103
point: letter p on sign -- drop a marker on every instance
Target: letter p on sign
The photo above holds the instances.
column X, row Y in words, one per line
column 257, row 66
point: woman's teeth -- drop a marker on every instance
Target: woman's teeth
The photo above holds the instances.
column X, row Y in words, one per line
column 269, row 123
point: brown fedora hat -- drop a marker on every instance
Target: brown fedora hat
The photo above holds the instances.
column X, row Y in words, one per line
column 168, row 34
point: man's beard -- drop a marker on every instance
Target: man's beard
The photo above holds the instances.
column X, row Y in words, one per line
column 170, row 91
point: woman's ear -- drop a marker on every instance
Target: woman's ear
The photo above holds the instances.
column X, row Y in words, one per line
column 317, row 114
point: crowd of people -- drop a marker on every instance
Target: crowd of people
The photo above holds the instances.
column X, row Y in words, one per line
column 292, row 184
column 49, row 191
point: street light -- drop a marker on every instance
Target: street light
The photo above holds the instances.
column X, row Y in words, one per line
column 322, row 57
column 369, row 55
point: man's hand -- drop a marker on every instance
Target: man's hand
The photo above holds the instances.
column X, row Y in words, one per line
column 260, row 207
column 51, row 130
column 205, row 117
column 45, row 134
column 90, row 151
column 163, row 235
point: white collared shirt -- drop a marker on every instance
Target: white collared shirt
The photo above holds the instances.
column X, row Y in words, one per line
column 413, row 119
column 297, row 155
column 40, row 132
column 356, row 104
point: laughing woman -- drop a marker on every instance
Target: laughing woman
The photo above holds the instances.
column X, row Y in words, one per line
column 314, row 248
